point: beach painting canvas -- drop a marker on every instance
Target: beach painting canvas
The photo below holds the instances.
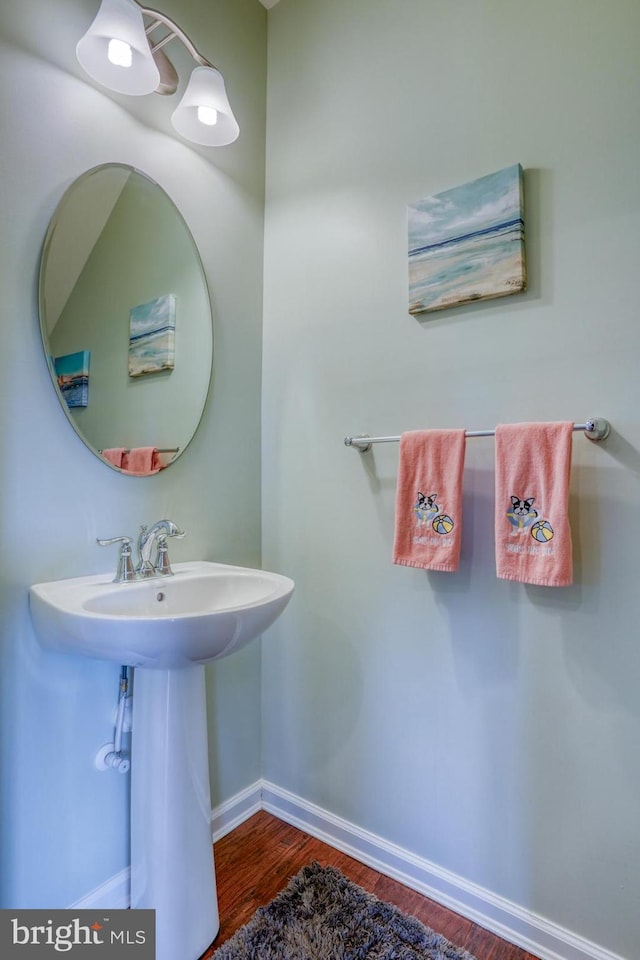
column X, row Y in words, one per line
column 467, row 243
column 152, row 336
column 72, row 374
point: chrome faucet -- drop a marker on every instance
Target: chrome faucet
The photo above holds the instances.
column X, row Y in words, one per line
column 158, row 533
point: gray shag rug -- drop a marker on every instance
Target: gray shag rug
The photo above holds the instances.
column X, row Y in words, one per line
column 321, row 915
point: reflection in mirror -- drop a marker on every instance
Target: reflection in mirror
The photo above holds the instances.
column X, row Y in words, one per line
column 126, row 319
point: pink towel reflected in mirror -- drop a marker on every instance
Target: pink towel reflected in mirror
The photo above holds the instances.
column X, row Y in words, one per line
column 115, row 456
column 142, row 461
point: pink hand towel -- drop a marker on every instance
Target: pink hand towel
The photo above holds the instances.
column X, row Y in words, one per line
column 533, row 539
column 142, row 461
column 114, row 455
column 429, row 499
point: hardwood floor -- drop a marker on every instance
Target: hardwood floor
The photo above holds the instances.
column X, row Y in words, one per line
column 257, row 860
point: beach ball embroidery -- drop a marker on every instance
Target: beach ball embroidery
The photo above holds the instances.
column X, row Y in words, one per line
column 442, row 524
column 542, row 531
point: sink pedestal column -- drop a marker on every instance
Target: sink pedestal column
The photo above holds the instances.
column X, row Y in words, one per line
column 172, row 870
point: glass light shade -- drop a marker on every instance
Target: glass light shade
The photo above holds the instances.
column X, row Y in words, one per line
column 119, row 20
column 206, row 89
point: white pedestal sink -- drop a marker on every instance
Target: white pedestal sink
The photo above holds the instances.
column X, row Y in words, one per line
column 167, row 628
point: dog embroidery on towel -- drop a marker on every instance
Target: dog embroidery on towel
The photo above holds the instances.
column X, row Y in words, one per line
column 428, row 513
column 522, row 516
column 425, row 508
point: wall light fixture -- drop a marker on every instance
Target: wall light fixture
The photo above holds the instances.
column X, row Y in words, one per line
column 117, row 51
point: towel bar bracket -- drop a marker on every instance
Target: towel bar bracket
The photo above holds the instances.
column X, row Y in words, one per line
column 359, row 442
column 596, row 428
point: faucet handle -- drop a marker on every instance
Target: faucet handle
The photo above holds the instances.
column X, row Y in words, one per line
column 162, row 564
column 125, row 570
column 110, row 540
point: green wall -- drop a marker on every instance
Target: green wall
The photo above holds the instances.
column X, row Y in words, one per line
column 487, row 727
column 64, row 824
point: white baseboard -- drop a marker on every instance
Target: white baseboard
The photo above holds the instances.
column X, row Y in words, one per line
column 508, row 920
column 535, row 934
column 113, row 894
column 236, row 810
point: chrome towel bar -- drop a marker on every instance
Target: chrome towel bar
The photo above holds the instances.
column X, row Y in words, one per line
column 595, row 429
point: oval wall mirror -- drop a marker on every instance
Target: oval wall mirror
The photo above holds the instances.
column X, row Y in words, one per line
column 125, row 317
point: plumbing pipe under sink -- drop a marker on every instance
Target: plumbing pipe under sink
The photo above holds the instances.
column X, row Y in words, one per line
column 110, row 755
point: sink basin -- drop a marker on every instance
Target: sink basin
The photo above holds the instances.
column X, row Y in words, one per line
column 204, row 612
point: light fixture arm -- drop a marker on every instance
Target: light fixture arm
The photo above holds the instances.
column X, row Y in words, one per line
column 159, row 19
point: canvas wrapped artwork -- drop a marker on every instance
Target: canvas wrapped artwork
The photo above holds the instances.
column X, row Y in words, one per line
column 467, row 243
